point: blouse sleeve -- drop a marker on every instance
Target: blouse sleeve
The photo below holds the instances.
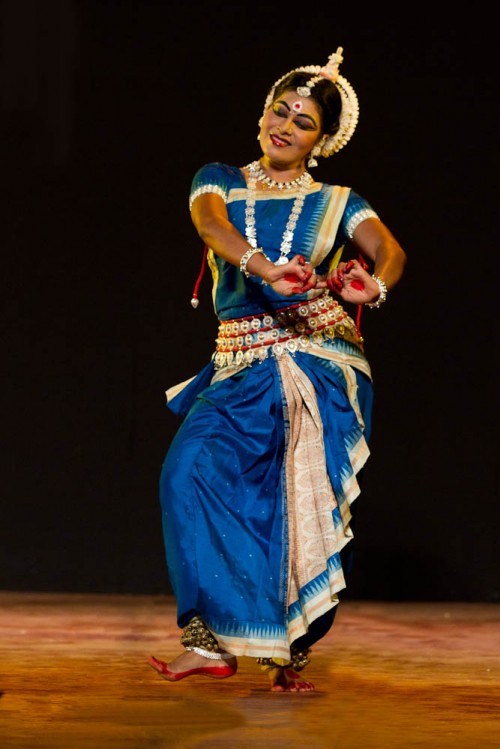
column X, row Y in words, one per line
column 357, row 210
column 210, row 178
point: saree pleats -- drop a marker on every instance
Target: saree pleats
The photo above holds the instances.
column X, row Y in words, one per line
column 315, row 533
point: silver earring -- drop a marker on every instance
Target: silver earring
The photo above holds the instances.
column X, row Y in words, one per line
column 316, row 152
column 312, row 156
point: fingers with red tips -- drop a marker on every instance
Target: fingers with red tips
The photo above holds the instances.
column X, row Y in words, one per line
column 334, row 284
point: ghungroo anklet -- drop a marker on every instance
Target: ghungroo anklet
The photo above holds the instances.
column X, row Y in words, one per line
column 272, row 663
column 196, row 634
column 297, row 662
column 300, row 660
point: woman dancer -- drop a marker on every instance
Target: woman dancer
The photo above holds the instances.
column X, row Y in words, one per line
column 257, row 485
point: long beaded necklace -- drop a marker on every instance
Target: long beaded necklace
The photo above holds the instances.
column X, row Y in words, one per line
column 256, row 174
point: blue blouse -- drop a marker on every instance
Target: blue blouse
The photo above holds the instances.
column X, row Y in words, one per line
column 236, row 295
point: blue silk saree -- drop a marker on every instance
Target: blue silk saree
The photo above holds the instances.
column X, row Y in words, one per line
column 257, row 485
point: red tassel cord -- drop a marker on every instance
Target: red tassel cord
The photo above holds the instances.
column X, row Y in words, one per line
column 194, row 300
column 359, row 285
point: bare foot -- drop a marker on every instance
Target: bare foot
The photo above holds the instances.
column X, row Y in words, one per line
column 190, row 663
column 189, row 659
column 287, row 680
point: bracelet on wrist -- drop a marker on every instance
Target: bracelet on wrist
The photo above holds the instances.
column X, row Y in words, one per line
column 246, row 257
column 382, row 295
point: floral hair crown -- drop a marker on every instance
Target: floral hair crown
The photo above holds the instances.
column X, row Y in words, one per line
column 350, row 108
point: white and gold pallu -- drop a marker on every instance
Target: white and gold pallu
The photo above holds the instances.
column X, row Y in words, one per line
column 314, row 539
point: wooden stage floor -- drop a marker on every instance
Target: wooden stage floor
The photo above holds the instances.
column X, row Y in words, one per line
column 388, row 676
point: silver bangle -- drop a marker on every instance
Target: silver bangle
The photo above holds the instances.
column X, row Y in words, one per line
column 246, row 257
column 211, row 654
column 382, row 295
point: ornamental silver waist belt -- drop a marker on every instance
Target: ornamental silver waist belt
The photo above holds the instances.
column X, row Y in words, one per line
column 296, row 328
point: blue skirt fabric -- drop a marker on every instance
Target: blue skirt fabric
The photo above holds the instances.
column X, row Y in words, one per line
column 226, row 495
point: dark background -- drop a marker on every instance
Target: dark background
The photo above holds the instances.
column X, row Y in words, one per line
column 107, row 110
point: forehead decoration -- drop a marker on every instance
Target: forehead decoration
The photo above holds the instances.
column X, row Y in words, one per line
column 297, row 105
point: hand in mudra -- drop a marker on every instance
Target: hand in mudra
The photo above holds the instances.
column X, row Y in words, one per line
column 295, row 277
column 352, row 282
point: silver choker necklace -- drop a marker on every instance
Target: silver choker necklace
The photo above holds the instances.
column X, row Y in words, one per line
column 261, row 176
column 255, row 173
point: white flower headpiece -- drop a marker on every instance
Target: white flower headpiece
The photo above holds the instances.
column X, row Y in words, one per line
column 350, row 107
